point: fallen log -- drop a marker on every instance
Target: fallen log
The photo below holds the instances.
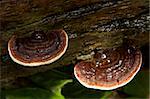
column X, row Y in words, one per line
column 90, row 25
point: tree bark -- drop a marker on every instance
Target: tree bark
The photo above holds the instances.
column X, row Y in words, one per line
column 90, row 24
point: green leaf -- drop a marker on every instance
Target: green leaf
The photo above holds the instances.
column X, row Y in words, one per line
column 76, row 91
column 49, row 85
column 31, row 93
column 139, row 86
column 51, row 80
column 106, row 95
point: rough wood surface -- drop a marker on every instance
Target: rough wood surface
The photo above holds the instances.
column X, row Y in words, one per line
column 90, row 24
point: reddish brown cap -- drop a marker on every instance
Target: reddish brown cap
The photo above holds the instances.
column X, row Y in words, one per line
column 39, row 48
column 109, row 69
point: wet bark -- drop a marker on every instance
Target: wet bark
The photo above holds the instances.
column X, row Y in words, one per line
column 90, row 24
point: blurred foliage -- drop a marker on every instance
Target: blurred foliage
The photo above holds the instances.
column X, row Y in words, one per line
column 51, row 80
column 31, row 93
column 80, row 92
column 50, row 85
column 139, row 86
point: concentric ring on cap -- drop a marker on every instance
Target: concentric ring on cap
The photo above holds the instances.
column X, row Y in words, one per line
column 39, row 48
column 102, row 74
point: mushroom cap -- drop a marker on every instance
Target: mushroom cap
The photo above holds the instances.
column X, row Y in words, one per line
column 39, row 48
column 110, row 69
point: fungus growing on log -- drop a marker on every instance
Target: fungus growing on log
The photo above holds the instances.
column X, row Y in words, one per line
column 39, row 48
column 109, row 69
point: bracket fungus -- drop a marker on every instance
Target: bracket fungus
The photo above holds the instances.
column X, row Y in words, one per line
column 39, row 48
column 109, row 69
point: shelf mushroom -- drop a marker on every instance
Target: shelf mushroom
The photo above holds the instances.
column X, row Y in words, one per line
column 39, row 48
column 109, row 69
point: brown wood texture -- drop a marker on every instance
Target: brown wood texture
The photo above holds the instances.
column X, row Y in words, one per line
column 90, row 24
